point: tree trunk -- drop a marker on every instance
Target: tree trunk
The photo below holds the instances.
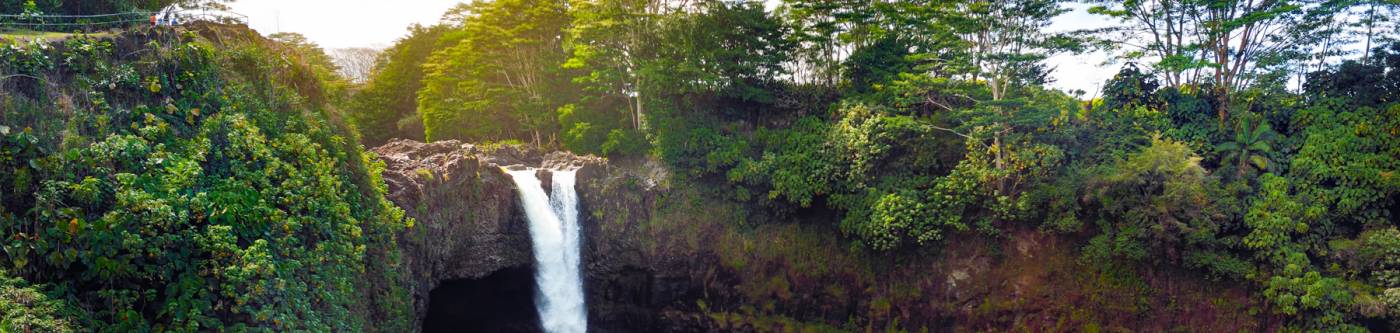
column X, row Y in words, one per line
column 1000, row 163
column 1222, row 107
column 1370, row 26
column 639, row 120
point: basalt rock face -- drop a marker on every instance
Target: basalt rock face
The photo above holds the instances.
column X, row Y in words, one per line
column 688, row 268
column 624, row 285
column 470, row 224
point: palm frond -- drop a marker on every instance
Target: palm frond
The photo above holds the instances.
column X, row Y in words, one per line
column 1259, row 161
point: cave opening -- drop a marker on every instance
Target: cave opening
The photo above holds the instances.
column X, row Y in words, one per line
column 501, row 302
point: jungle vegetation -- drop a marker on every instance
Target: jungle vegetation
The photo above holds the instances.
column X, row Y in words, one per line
column 1254, row 142
column 1250, row 141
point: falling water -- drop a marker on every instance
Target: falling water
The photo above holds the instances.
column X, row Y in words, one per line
column 555, row 236
column 565, row 202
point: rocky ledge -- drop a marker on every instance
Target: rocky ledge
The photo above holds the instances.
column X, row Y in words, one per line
column 470, row 225
column 646, row 273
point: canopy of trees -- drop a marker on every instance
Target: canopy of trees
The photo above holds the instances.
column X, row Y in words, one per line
column 1242, row 139
column 1251, row 142
column 188, row 181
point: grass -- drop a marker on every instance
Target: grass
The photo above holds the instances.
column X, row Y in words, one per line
column 27, row 35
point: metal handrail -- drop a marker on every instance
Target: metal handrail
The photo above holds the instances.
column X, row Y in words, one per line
column 71, row 24
column 73, row 16
column 137, row 17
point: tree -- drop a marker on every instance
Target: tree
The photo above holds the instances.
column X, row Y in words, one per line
column 729, row 50
column 1373, row 82
column 355, row 63
column 609, row 43
column 1130, row 88
column 386, row 106
column 1321, row 34
column 610, row 40
column 321, row 71
column 1158, row 29
column 499, row 76
column 877, row 64
column 1008, row 40
column 1008, row 43
column 1225, row 38
column 1235, row 34
column 309, row 51
column 1248, row 152
column 827, row 32
column 1157, row 202
column 1376, row 15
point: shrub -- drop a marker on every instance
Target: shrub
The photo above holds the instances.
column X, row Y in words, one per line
column 26, row 308
column 218, row 194
column 1157, row 203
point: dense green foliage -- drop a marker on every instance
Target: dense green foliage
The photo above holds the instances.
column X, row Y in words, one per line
column 386, row 107
column 27, row 16
column 195, row 185
column 98, row 7
column 26, row 308
column 192, row 185
column 82, row 7
column 920, row 121
column 499, row 70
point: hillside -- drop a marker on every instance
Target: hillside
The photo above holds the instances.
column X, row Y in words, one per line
column 835, row 163
column 180, row 179
column 741, row 166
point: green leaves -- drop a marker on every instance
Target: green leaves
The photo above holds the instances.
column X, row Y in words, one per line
column 1276, row 217
column 25, row 307
column 1251, row 148
column 1347, row 161
column 892, row 216
column 499, row 75
column 245, row 214
column 1319, row 301
column 796, row 163
column 1157, row 202
column 387, row 105
column 732, row 50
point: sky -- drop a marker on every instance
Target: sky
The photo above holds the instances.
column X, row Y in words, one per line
column 1085, row 72
column 337, row 24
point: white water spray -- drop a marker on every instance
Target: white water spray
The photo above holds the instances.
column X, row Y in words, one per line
column 554, row 232
column 565, row 202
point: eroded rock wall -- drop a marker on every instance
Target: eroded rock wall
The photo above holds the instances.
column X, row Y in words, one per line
column 469, row 222
column 661, row 259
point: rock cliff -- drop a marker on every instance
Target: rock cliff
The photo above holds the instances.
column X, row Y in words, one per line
column 469, row 223
column 661, row 259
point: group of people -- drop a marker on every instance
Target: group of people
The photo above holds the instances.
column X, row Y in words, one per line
column 166, row 17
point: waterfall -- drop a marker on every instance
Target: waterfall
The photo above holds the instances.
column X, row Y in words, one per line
column 565, row 202
column 554, row 233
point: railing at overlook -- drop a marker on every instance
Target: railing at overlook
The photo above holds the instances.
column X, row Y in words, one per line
column 69, row 23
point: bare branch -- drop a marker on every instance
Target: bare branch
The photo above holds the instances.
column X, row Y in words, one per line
column 356, row 63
